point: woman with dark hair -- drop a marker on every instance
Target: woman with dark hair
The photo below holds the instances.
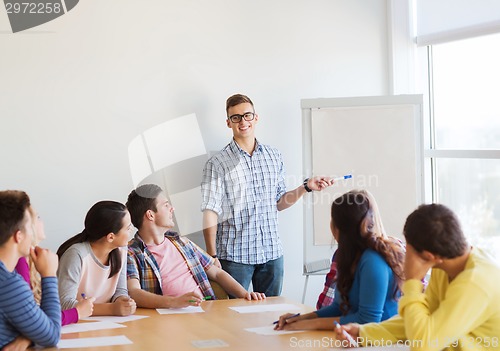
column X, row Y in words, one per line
column 93, row 263
column 369, row 268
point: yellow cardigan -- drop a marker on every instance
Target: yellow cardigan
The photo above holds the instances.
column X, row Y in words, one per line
column 463, row 314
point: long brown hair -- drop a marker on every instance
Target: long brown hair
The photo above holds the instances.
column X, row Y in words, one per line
column 355, row 215
column 103, row 218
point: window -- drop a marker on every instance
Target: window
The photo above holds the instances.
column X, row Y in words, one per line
column 464, row 143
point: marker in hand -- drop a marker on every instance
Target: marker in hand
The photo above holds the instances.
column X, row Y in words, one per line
column 347, row 176
column 203, row 299
column 346, row 334
column 295, row 315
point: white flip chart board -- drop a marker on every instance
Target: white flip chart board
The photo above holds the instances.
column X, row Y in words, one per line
column 376, row 139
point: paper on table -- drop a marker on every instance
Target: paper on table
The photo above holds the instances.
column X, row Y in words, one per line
column 269, row 330
column 94, row 342
column 115, row 319
column 266, row 308
column 189, row 309
column 208, row 344
column 83, row 327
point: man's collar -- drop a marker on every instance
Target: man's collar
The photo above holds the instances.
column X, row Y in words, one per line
column 236, row 148
column 168, row 233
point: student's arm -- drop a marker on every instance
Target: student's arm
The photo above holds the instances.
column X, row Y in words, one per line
column 390, row 331
column 292, row 196
column 20, row 343
column 68, row 274
column 230, row 285
column 122, row 306
column 147, row 299
column 70, row 316
column 375, row 284
column 121, row 287
column 210, row 231
column 23, row 269
column 461, row 311
column 308, row 321
column 212, row 194
column 40, row 324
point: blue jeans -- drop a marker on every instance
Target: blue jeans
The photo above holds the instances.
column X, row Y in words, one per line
column 266, row 277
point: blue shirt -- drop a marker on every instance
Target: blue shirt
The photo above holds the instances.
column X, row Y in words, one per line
column 243, row 190
column 372, row 293
column 19, row 313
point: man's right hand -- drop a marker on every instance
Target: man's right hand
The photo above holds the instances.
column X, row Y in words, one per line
column 351, row 328
column 217, row 263
column 46, row 262
column 188, row 299
column 85, row 307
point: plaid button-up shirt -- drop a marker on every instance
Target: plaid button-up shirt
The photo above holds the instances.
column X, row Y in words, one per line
column 243, row 190
column 142, row 265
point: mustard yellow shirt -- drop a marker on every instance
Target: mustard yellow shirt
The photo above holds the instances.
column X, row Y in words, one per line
column 463, row 314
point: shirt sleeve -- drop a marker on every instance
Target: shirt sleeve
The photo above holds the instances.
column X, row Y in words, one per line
column 375, row 281
column 462, row 310
column 69, row 316
column 23, row 269
column 212, row 188
column 42, row 325
column 121, row 287
column 206, row 260
column 132, row 270
column 281, row 188
column 389, row 331
column 69, row 276
column 329, row 311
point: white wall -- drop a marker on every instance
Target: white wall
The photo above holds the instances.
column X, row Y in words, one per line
column 75, row 91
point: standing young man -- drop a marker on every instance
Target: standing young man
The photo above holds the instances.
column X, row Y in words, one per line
column 21, row 319
column 243, row 189
column 165, row 270
column 459, row 310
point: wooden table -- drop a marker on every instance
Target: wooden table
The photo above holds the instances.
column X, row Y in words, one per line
column 177, row 331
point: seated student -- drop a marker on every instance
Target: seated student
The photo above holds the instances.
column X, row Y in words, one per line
column 20, row 316
column 164, row 269
column 93, row 263
column 27, row 270
column 369, row 269
column 326, row 297
column 459, row 310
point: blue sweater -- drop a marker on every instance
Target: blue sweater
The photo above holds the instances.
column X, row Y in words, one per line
column 19, row 313
column 372, row 293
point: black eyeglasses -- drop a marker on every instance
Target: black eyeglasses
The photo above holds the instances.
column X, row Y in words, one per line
column 247, row 116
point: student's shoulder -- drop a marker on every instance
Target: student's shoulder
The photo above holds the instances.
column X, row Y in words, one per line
column 78, row 249
column 225, row 153
column 372, row 257
column 481, row 268
column 270, row 149
column 12, row 284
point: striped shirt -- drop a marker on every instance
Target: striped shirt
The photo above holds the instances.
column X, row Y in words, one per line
column 23, row 269
column 243, row 190
column 20, row 315
column 141, row 264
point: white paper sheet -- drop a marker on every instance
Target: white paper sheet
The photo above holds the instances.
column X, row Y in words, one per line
column 209, row 344
column 269, row 330
column 266, row 308
column 83, row 327
column 189, row 309
column 115, row 319
column 94, row 342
